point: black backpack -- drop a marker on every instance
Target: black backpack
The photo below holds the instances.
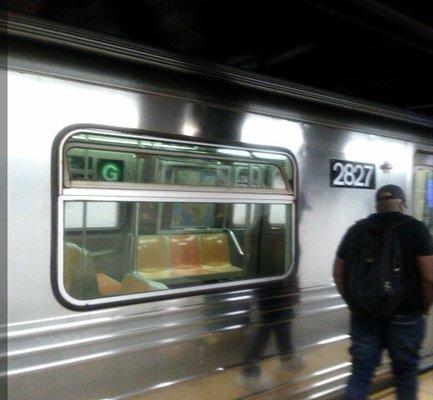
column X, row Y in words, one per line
column 374, row 269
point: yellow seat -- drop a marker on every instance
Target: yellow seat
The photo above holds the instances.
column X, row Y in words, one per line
column 152, row 258
column 215, row 252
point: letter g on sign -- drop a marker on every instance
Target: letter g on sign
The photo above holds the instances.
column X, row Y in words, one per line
column 110, row 172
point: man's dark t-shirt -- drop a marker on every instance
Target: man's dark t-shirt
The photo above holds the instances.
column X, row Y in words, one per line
column 415, row 240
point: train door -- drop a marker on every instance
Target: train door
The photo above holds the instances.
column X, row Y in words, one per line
column 423, row 210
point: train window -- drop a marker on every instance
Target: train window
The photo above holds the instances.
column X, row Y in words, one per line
column 98, row 215
column 241, row 212
column 277, row 212
column 94, row 158
column 193, row 216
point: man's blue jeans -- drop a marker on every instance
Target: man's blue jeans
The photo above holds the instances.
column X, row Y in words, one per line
column 402, row 336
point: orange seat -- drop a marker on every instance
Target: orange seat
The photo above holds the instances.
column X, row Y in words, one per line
column 152, row 258
column 107, row 286
column 134, row 283
column 215, row 252
column 184, row 254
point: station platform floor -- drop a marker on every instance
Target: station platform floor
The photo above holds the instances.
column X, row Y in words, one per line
column 425, row 389
column 226, row 386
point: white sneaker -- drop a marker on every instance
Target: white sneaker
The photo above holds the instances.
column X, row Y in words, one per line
column 294, row 362
column 255, row 383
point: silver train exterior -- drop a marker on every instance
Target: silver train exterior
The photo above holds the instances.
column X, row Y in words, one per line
column 191, row 346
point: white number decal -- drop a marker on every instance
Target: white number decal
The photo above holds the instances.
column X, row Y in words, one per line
column 369, row 174
column 338, row 180
column 349, row 177
column 351, row 174
column 358, row 180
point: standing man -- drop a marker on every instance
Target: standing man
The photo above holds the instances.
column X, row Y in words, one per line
column 384, row 271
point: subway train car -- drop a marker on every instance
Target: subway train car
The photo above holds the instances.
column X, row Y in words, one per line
column 165, row 213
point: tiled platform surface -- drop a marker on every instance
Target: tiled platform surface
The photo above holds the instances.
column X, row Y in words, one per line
column 425, row 389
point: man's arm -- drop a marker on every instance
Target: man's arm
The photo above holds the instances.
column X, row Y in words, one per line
column 338, row 273
column 425, row 265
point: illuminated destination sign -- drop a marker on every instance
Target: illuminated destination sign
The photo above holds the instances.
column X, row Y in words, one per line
column 110, row 170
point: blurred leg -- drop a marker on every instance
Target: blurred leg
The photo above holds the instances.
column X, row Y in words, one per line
column 283, row 333
column 366, row 352
column 404, row 338
column 255, row 347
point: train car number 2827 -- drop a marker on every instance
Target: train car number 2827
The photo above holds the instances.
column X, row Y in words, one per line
column 352, row 174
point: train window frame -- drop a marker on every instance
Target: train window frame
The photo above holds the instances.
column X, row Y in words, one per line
column 70, row 183
column 68, row 190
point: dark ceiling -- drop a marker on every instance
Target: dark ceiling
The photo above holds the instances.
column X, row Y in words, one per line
column 377, row 50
